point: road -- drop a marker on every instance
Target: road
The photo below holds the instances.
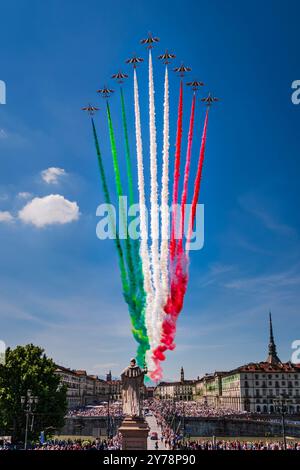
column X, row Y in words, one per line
column 152, row 423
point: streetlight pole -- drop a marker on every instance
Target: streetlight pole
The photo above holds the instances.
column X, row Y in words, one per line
column 108, row 412
column 281, row 407
column 28, row 401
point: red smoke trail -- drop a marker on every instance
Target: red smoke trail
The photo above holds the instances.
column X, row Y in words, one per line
column 179, row 277
column 169, row 323
column 187, row 172
column 197, row 180
column 176, row 172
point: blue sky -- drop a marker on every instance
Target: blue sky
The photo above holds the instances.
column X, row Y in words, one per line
column 59, row 285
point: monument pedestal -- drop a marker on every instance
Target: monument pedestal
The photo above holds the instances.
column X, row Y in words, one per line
column 134, row 431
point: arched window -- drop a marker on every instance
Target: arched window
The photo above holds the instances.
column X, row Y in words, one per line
column 258, row 409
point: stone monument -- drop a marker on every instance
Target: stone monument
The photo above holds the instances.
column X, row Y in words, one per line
column 134, row 429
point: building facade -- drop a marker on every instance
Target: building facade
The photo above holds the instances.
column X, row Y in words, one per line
column 254, row 387
column 181, row 390
column 82, row 389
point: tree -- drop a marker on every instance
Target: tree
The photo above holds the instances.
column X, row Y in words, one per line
column 28, row 368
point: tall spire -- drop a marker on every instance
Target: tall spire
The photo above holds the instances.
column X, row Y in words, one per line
column 181, row 375
column 272, row 353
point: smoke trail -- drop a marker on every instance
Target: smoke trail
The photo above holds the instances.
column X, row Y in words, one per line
column 142, row 203
column 127, row 151
column 197, row 181
column 179, row 278
column 154, row 309
column 135, row 245
column 168, row 327
column 176, row 171
column 165, row 219
column 179, row 272
column 133, row 299
column 120, row 194
column 187, row 171
column 107, row 200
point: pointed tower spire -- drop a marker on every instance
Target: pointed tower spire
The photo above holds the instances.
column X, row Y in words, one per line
column 181, row 375
column 272, row 353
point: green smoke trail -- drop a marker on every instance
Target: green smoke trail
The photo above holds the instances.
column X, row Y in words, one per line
column 141, row 296
column 135, row 243
column 120, row 194
column 107, row 200
column 134, row 298
column 127, row 151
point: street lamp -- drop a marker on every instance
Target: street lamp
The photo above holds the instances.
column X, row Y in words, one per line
column 108, row 411
column 27, row 402
column 281, row 407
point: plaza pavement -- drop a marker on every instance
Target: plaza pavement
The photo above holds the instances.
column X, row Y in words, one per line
column 152, row 423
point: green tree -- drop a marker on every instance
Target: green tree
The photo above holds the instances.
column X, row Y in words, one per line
column 28, row 368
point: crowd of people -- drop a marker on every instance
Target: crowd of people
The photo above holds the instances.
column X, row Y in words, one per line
column 235, row 445
column 113, row 409
column 172, row 437
column 114, row 443
column 190, row 408
column 168, row 415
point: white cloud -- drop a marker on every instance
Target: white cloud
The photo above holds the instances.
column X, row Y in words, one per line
column 52, row 174
column 6, row 216
column 24, row 195
column 48, row 210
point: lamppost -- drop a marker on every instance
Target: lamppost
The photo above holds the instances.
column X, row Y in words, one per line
column 281, row 407
column 28, row 401
column 108, row 411
column 183, row 423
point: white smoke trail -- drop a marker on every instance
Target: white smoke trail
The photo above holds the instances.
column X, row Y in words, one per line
column 143, row 213
column 156, row 307
column 165, row 216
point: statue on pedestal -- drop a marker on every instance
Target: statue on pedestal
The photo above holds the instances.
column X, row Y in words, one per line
column 132, row 380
